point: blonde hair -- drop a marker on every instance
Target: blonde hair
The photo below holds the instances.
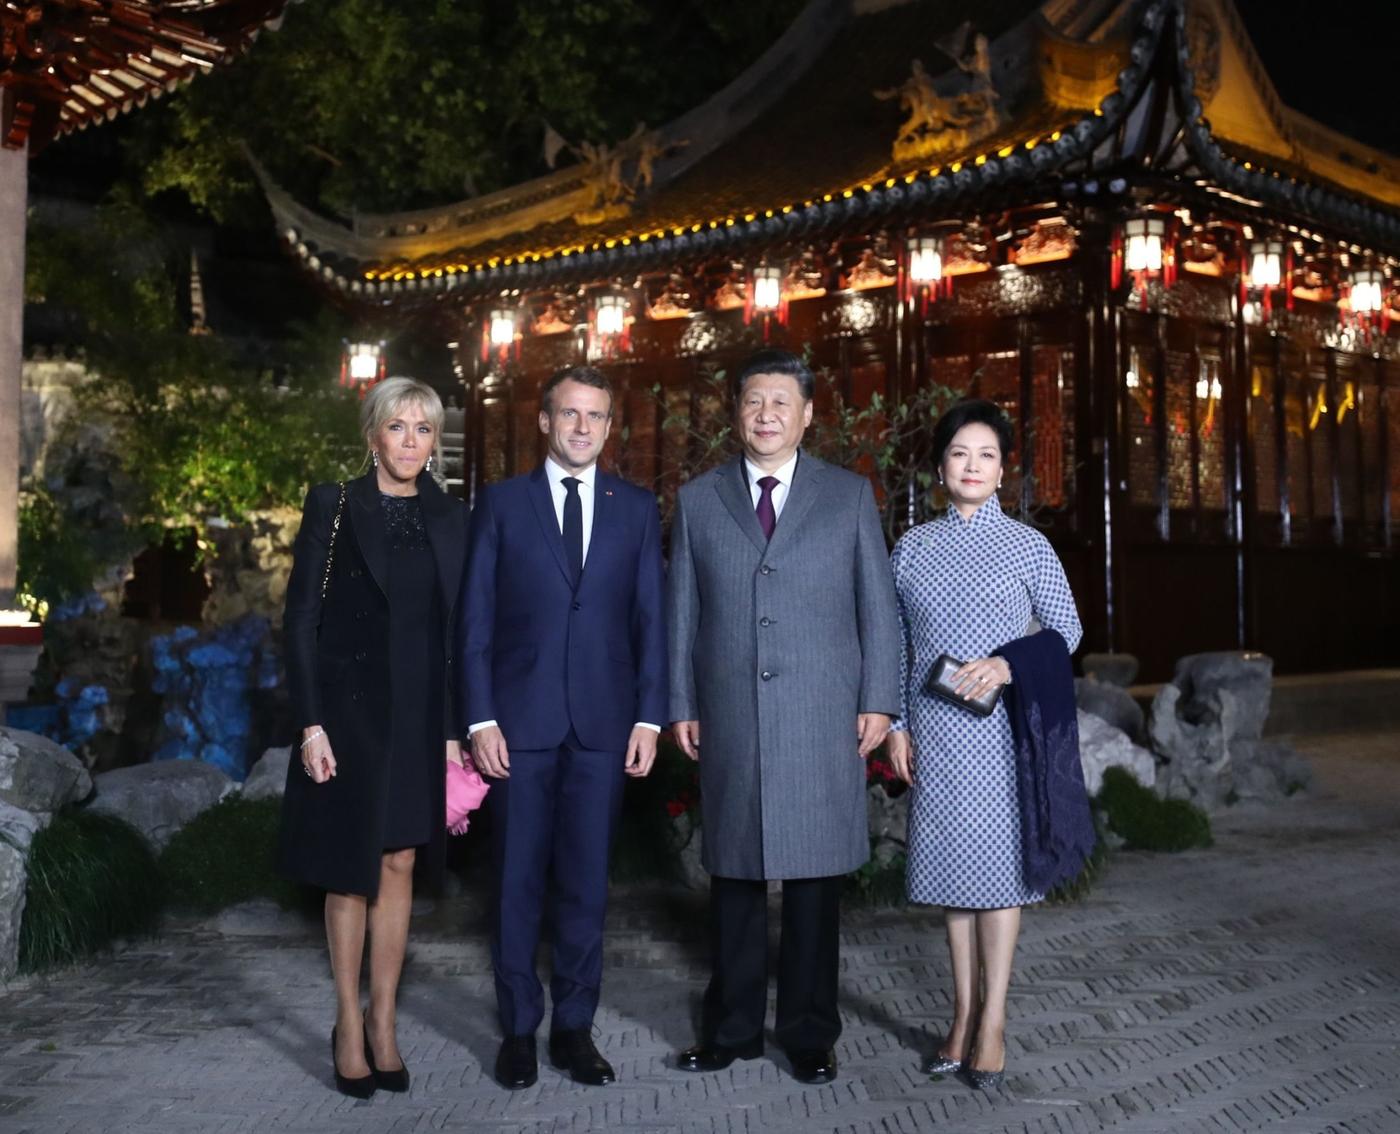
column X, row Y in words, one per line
column 384, row 402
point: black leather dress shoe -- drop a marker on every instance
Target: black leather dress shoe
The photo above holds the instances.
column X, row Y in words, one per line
column 717, row 1056
column 813, row 1065
column 516, row 1064
column 574, row 1052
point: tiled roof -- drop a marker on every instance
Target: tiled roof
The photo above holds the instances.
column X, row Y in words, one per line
column 819, row 159
column 66, row 66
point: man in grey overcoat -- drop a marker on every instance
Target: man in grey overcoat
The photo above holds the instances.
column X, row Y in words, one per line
column 784, row 659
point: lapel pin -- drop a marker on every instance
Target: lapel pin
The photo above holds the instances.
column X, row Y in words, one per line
column 607, row 492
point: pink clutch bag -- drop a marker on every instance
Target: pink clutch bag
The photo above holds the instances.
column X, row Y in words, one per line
column 465, row 791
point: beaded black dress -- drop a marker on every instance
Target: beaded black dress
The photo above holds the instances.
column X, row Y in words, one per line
column 416, row 651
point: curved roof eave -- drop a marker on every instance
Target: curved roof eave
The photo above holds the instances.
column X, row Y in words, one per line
column 1041, row 160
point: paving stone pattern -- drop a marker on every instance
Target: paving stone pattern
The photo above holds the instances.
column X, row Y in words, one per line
column 1254, row 986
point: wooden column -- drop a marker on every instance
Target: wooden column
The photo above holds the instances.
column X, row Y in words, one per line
column 14, row 177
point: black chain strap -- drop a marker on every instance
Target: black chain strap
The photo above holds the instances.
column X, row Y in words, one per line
column 335, row 529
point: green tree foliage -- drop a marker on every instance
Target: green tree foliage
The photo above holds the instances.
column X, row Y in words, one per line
column 198, row 431
column 392, row 104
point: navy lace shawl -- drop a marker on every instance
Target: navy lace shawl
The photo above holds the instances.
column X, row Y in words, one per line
column 1057, row 829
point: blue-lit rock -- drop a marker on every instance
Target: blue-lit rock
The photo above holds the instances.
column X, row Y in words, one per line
column 208, row 684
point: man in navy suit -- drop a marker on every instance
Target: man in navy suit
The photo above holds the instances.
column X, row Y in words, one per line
column 562, row 642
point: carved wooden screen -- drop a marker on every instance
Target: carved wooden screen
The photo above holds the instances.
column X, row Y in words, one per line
column 1052, row 426
column 1390, row 410
column 1298, row 405
column 1347, row 437
column 1263, row 425
column 1139, row 404
column 1368, row 425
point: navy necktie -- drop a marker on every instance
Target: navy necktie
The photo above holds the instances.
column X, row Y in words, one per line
column 767, row 517
column 573, row 527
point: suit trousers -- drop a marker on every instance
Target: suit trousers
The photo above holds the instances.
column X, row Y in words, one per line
column 552, row 824
column 808, row 963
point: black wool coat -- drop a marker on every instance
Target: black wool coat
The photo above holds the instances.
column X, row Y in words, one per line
column 337, row 652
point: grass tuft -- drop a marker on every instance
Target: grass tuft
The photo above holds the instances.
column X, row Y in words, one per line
column 91, row 879
column 226, row 855
column 1147, row 822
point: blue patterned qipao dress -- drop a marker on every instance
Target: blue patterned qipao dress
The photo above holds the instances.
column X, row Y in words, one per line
column 965, row 588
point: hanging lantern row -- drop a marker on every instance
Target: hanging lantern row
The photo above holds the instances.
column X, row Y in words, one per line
column 609, row 328
column 765, row 300
column 1142, row 251
column 923, row 271
column 362, row 365
column 1269, row 265
column 499, row 335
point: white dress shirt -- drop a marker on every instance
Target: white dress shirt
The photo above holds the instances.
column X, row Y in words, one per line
column 559, row 492
column 780, row 490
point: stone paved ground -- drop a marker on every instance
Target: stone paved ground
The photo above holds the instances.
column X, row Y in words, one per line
column 1253, row 986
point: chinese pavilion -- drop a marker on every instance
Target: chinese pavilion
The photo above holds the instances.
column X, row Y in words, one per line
column 1099, row 215
column 66, row 65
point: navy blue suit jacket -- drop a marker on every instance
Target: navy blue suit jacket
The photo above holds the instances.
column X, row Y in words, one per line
column 537, row 656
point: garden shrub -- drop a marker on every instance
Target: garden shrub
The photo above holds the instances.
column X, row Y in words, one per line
column 225, row 855
column 649, row 838
column 876, row 883
column 91, row 879
column 1147, row 822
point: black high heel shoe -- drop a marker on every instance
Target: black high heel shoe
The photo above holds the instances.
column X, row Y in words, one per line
column 985, row 1080
column 361, row 1088
column 384, row 1080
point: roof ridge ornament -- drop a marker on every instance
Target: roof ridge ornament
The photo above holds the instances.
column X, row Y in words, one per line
column 938, row 125
column 615, row 175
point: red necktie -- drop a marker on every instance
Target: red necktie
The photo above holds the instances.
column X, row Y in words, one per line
column 767, row 517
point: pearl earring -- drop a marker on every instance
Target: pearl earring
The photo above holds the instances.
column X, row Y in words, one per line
column 429, row 466
column 374, row 457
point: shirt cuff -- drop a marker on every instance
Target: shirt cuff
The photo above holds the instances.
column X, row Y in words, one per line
column 899, row 725
column 472, row 730
column 648, row 724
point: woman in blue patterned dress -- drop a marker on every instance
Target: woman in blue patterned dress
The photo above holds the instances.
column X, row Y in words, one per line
column 969, row 582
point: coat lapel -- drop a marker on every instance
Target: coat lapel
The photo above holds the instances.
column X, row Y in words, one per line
column 369, row 529
column 806, row 487
column 549, row 524
column 605, row 520
column 733, row 489
column 442, row 518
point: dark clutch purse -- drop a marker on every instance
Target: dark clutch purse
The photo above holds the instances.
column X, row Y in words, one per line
column 940, row 684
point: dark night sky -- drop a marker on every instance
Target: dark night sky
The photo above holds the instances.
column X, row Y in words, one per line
column 1333, row 61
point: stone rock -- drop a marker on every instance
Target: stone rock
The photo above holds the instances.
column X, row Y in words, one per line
column 889, row 823
column 694, row 876
column 1111, row 703
column 1196, row 756
column 268, row 777
column 1266, row 770
column 209, row 682
column 12, row 876
column 1247, row 675
column 251, row 564
column 1111, row 669
column 160, row 798
column 39, row 775
column 1205, row 726
column 1103, row 746
column 18, row 826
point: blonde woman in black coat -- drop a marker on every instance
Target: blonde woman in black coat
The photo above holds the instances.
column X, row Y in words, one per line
column 375, row 573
